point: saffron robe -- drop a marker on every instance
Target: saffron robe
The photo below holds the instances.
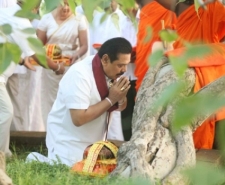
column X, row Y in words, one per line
column 150, row 19
column 208, row 26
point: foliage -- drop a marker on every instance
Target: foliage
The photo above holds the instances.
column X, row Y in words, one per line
column 36, row 173
column 206, row 174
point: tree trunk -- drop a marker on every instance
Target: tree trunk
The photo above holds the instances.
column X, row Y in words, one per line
column 153, row 152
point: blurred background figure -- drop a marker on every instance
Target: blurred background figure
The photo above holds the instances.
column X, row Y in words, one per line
column 24, row 90
column 69, row 32
column 7, row 10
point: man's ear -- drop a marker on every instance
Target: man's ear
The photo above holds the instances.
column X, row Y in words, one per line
column 105, row 59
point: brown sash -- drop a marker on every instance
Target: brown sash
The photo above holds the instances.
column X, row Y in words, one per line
column 100, row 80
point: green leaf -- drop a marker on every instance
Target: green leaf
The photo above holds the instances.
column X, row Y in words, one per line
column 29, row 31
column 168, row 35
column 36, row 45
column 15, row 52
column 197, row 51
column 220, row 130
column 192, row 52
column 8, row 53
column 149, row 34
column 51, row 5
column 5, row 57
column 195, row 105
column 170, row 92
column 179, row 64
column 103, row 17
column 6, row 29
column 115, row 20
column 42, row 59
column 126, row 4
column 72, row 5
column 26, row 14
column 90, row 6
column 197, row 5
column 39, row 50
column 29, row 5
column 155, row 57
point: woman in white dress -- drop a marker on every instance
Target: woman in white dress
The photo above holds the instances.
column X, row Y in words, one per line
column 69, row 32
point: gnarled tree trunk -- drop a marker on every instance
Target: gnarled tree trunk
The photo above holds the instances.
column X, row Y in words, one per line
column 153, row 152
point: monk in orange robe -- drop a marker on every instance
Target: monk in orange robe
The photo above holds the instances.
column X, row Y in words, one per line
column 151, row 15
column 206, row 26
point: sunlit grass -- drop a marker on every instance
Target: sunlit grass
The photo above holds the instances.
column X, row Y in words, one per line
column 36, row 173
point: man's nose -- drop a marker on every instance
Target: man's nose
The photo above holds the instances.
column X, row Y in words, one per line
column 124, row 68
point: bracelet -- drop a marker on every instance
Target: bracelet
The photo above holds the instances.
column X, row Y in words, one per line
column 57, row 68
column 109, row 101
column 122, row 102
column 22, row 63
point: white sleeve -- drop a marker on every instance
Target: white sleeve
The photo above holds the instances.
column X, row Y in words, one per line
column 82, row 23
column 44, row 22
column 20, row 38
column 75, row 89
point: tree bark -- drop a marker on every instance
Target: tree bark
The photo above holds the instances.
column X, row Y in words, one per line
column 153, row 152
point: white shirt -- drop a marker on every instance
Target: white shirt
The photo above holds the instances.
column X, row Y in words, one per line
column 102, row 31
column 77, row 90
column 17, row 36
column 129, row 32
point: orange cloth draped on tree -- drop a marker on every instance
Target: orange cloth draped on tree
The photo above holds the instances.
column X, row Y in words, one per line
column 150, row 19
column 208, row 27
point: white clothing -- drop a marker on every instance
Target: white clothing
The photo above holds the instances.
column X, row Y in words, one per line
column 77, row 90
column 35, row 23
column 67, row 34
column 19, row 38
column 66, row 37
column 79, row 10
column 51, row 159
column 6, row 114
column 7, row 3
column 129, row 32
column 115, row 131
column 106, row 30
column 6, row 17
column 109, row 28
column 24, row 89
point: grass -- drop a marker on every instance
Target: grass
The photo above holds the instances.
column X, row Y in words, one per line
column 36, row 173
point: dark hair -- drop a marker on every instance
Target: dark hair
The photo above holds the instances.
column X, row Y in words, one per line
column 115, row 46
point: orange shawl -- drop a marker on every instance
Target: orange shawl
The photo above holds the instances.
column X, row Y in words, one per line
column 209, row 27
column 150, row 17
